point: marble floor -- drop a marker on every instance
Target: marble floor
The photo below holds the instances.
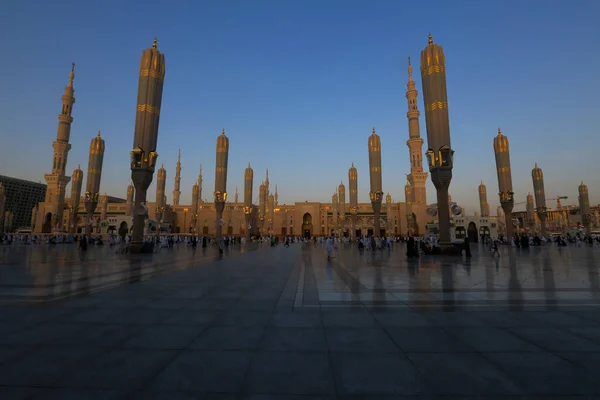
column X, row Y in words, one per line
column 285, row 323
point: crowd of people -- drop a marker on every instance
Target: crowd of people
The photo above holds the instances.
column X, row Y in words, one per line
column 415, row 246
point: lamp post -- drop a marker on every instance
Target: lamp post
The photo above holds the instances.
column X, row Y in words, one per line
column 143, row 155
column 353, row 185
column 584, row 208
column 248, row 186
column 502, row 153
column 540, row 197
column 376, row 192
column 220, row 195
column 439, row 152
column 94, row 174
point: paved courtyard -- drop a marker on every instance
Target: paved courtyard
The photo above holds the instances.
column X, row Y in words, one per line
column 284, row 323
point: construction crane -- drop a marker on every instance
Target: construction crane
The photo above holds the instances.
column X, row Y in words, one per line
column 558, row 199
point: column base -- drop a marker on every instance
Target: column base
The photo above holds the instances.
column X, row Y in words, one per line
column 449, row 249
column 141, row 247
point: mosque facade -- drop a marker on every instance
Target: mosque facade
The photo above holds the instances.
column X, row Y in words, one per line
column 345, row 217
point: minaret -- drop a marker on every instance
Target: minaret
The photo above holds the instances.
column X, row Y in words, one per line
column 200, row 185
column 76, row 183
column 530, row 210
column 276, row 197
column 484, row 207
column 248, row 183
column 130, row 193
column 439, row 152
column 584, row 207
column 342, row 201
column 417, row 177
column 147, row 117
column 376, row 193
column 408, row 194
column 262, row 204
column 94, row 175
column 161, row 181
column 236, row 196
column 267, row 182
column 57, row 180
column 502, row 153
column 2, row 207
column 220, row 194
column 353, row 184
column 540, row 196
column 176, row 191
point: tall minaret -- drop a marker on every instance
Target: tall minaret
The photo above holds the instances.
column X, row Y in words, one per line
column 505, row 188
column 57, row 180
column 94, row 175
column 267, row 182
column 530, row 210
column 540, row 196
column 2, row 207
column 417, row 177
column 584, row 207
column 130, row 193
column 353, row 184
column 76, row 182
column 248, row 183
column 236, row 196
column 484, row 207
column 376, row 193
column 408, row 194
column 176, row 191
column 439, row 152
column 220, row 194
column 276, row 197
column 342, row 200
column 161, row 181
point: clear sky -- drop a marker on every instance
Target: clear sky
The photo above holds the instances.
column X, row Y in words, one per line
column 298, row 86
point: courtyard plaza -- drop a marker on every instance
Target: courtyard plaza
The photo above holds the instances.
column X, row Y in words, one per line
column 264, row 322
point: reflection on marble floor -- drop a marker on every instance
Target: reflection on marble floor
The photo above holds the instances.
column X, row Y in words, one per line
column 51, row 272
column 537, row 278
column 547, row 277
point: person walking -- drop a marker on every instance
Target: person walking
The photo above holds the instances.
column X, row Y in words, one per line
column 328, row 247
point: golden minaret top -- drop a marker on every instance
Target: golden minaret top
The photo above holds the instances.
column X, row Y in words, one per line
column 430, row 38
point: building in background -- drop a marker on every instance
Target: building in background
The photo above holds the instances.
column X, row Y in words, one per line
column 21, row 197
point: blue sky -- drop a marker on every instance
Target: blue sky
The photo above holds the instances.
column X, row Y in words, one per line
column 298, row 85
